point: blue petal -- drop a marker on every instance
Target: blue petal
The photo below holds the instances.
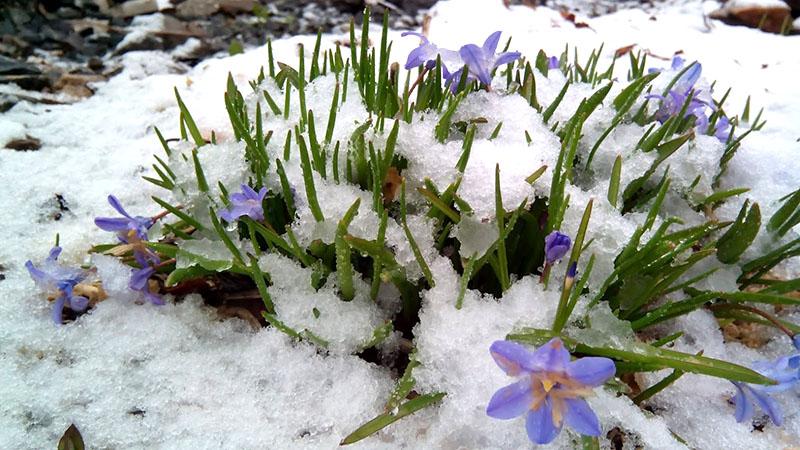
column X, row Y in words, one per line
column 505, row 58
column 58, row 309
column 118, row 206
column 249, row 192
column 37, row 274
column 139, row 277
column 490, row 45
column 580, row 417
column 591, row 371
column 511, row 401
column 769, row 405
column 54, row 253
column 78, row 303
column 539, row 424
column 744, row 408
column 154, row 298
column 691, row 76
column 552, row 356
column 414, row 33
column 512, row 357
column 473, row 57
column 677, row 62
column 262, row 193
column 552, row 63
column 112, row 223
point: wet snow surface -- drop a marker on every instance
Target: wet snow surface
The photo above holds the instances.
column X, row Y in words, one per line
column 177, row 376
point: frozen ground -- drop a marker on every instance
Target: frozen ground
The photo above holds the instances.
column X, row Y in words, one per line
column 178, row 377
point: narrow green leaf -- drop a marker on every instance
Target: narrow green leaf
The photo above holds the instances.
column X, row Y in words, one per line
column 740, row 235
column 189, row 121
column 386, row 419
column 637, row 352
column 344, row 268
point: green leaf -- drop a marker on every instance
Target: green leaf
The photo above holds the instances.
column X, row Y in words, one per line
column 178, row 213
column 625, row 99
column 379, row 335
column 382, row 421
column 189, row 121
column 188, row 273
column 213, row 265
column 404, row 385
column 653, row 357
column 71, row 439
column 542, row 62
column 344, row 268
column 613, row 183
column 740, row 235
column 235, row 47
column 787, row 214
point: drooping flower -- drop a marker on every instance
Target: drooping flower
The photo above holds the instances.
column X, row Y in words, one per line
column 427, row 52
column 128, row 228
column 140, row 277
column 785, row 371
column 132, row 231
column 556, row 245
column 552, row 63
column 246, row 203
column 58, row 281
column 550, row 390
column 701, row 105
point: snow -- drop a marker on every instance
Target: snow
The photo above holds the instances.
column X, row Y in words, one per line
column 138, row 376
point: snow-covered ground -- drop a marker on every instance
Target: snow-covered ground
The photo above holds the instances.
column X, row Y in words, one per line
column 177, row 376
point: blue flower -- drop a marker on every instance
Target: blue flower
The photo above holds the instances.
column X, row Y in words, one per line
column 482, row 61
column 140, row 277
column 552, row 63
column 128, row 228
column 699, row 105
column 133, row 232
column 245, row 203
column 556, row 245
column 785, row 371
column 427, row 52
column 58, row 281
column 550, row 389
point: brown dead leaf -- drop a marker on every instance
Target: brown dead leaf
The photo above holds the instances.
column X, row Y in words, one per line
column 391, row 184
column 623, row 50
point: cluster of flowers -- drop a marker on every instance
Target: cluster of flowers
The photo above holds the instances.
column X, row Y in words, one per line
column 60, row 282
column 701, row 105
column 480, row 61
column 551, row 388
column 132, row 233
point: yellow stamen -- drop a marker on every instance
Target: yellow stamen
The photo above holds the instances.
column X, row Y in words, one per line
column 548, row 384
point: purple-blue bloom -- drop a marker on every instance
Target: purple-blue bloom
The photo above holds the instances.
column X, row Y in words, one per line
column 427, row 52
column 129, row 229
column 482, row 61
column 552, row 62
column 785, row 370
column 550, row 389
column 58, row 281
column 139, row 280
column 556, row 245
column 245, row 203
column 672, row 102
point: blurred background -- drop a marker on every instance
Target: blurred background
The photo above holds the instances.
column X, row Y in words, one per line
column 55, row 47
